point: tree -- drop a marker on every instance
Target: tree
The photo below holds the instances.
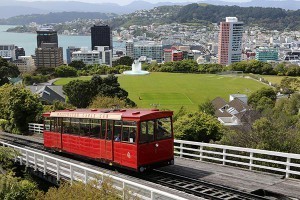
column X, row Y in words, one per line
column 18, row 107
column 7, row 70
column 15, row 188
column 198, row 126
column 6, row 156
column 79, row 93
column 255, row 97
column 207, row 107
column 125, row 60
column 108, row 102
column 289, row 85
column 78, row 191
column 65, row 71
column 77, row 64
column 57, row 105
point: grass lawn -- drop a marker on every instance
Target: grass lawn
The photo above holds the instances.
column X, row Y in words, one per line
column 173, row 90
column 64, row 81
column 274, row 79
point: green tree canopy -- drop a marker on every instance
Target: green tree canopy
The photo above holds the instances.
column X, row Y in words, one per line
column 7, row 70
column 18, row 107
column 255, row 98
column 207, row 107
column 289, row 85
column 77, row 64
column 125, row 60
column 81, row 93
column 198, row 126
column 65, row 71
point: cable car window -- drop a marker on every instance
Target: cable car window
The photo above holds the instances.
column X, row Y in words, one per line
column 163, row 128
column 95, row 128
column 147, row 131
column 47, row 124
column 85, row 127
column 110, row 125
column 66, row 125
column 129, row 132
column 57, row 125
column 117, row 131
column 103, row 129
column 75, row 126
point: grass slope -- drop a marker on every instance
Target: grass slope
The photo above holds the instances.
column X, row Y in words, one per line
column 173, row 90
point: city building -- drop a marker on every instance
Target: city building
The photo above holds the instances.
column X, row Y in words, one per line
column 150, row 49
column 266, row 54
column 101, row 36
column 48, row 56
column 47, row 53
column 25, row 64
column 230, row 41
column 46, row 35
column 129, row 48
column 168, row 55
column 8, row 52
column 102, row 55
column 177, row 55
column 69, row 52
column 20, row 51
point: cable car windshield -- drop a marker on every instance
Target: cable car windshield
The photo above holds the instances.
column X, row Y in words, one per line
column 158, row 129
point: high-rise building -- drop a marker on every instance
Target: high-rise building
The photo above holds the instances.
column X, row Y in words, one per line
column 129, row 48
column 46, row 35
column 230, row 41
column 47, row 53
column 150, row 49
column 48, row 56
column 101, row 36
column 20, row 51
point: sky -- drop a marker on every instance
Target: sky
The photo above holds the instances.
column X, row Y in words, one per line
column 124, row 2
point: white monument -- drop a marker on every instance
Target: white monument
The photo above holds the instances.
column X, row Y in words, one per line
column 136, row 69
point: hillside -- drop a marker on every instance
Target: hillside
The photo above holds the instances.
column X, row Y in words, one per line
column 59, row 17
column 269, row 18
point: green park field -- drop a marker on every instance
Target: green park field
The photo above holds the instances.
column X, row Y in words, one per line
column 173, row 90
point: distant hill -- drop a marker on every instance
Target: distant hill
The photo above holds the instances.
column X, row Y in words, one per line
column 9, row 8
column 55, row 17
column 269, row 18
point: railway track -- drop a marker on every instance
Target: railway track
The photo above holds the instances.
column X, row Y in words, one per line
column 199, row 188
column 177, row 182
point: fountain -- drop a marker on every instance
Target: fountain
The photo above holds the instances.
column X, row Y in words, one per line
column 136, row 69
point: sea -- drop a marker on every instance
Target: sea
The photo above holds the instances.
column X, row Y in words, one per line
column 29, row 43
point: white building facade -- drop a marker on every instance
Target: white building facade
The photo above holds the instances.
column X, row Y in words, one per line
column 8, row 52
column 102, row 56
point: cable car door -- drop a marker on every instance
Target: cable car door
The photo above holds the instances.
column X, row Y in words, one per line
column 108, row 141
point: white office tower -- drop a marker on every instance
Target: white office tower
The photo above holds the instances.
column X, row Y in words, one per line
column 230, row 41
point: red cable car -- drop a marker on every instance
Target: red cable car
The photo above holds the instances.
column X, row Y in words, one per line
column 135, row 139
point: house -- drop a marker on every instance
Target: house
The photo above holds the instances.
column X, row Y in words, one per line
column 48, row 93
column 231, row 113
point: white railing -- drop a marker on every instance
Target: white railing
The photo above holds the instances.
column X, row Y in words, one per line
column 253, row 159
column 36, row 128
column 73, row 172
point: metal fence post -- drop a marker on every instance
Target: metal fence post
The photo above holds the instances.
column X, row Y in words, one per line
column 287, row 169
column 71, row 174
column 201, row 153
column 181, row 150
column 35, row 162
column 57, row 170
column 224, row 156
column 45, row 165
column 85, row 177
column 26, row 159
column 251, row 160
